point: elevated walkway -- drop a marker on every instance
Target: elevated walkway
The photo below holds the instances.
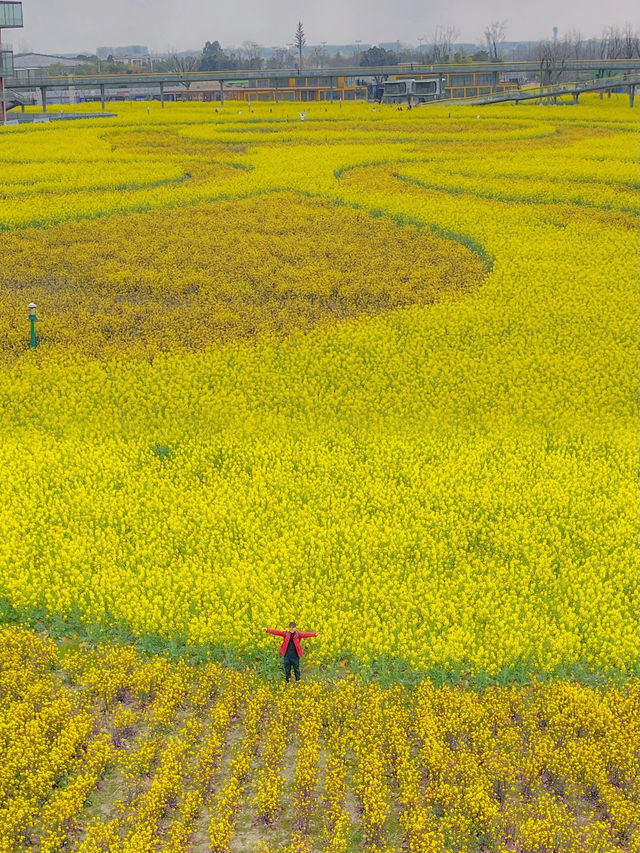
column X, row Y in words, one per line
column 336, row 80
column 40, row 118
column 631, row 82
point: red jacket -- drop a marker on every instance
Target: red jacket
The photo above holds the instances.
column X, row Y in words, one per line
column 296, row 639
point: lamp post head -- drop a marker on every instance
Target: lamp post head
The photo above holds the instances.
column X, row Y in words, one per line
column 32, row 309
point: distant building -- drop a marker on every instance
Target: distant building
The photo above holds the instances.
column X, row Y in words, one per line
column 138, row 61
column 127, row 52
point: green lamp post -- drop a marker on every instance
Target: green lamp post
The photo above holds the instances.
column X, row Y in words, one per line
column 33, row 340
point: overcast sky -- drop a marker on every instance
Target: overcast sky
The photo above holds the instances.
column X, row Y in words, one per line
column 63, row 26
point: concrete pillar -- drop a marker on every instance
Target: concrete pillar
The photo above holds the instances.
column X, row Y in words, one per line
column 43, row 93
column 441, row 86
column 102, row 97
column 632, row 94
column 162, row 94
column 576, row 95
column 222, row 92
column 277, row 92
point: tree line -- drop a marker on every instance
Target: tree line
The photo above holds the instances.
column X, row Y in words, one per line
column 614, row 43
column 440, row 47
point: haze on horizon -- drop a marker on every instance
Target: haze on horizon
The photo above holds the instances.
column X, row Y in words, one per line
column 73, row 26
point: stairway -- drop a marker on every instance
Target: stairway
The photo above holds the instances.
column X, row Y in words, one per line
column 13, row 100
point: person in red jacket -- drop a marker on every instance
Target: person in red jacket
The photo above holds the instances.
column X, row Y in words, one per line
column 291, row 650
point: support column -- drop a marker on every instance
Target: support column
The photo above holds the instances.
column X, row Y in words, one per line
column 277, row 93
column 331, row 88
column 162, row 94
column 102, row 97
column 441, row 85
column 222, row 92
column 632, row 94
column 43, row 93
column 576, row 95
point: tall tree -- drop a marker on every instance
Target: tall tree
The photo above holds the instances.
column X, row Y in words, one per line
column 300, row 41
column 317, row 57
column 183, row 65
column 494, row 36
column 214, row 58
column 576, row 43
column 376, row 57
column 553, row 56
column 251, row 55
column 442, row 42
column 620, row 43
column 630, row 42
column 280, row 58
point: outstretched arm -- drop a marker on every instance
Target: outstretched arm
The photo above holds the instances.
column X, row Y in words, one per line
column 305, row 634
column 277, row 633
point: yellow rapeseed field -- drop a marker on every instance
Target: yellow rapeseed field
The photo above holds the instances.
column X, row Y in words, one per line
column 105, row 751
column 375, row 371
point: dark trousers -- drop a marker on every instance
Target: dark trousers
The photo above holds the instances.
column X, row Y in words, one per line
column 291, row 662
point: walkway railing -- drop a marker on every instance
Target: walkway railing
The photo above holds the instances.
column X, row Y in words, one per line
column 629, row 81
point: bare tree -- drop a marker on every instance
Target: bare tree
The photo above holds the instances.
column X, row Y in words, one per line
column 251, row 55
column 317, row 57
column 442, row 42
column 576, row 44
column 183, row 65
column 299, row 41
column 630, row 42
column 494, row 36
column 619, row 43
column 553, row 56
column 280, row 58
column 610, row 44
